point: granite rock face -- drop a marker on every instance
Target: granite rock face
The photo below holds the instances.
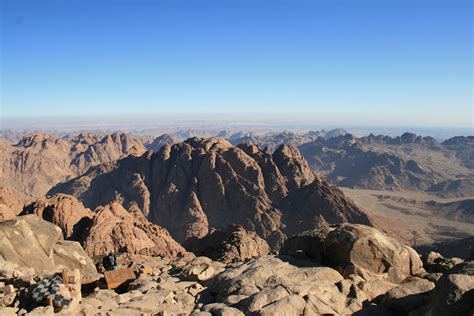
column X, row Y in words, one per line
column 193, row 186
column 114, row 229
column 63, row 210
column 9, row 205
column 356, row 249
column 39, row 161
column 29, row 241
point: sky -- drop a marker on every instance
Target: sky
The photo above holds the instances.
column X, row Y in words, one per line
column 387, row 61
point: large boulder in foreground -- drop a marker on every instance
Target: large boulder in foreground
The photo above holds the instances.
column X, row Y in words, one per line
column 114, row 229
column 357, row 249
column 270, row 285
column 63, row 210
column 29, row 241
column 235, row 244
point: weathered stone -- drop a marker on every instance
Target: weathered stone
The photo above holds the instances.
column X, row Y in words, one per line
column 363, row 250
column 292, row 305
column 199, row 269
column 263, row 298
column 29, row 241
column 235, row 244
column 306, row 245
column 407, row 296
column 434, row 262
column 454, row 292
column 375, row 288
column 142, row 285
column 42, row 311
column 8, row 299
column 113, row 229
column 219, row 309
column 62, row 210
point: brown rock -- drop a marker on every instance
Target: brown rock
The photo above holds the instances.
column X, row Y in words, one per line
column 454, row 292
column 29, row 241
column 434, row 262
column 363, row 250
column 408, row 296
column 235, row 244
column 199, row 184
column 40, row 161
column 9, row 205
column 63, row 210
column 114, row 229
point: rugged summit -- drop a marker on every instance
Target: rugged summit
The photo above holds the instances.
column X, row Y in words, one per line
column 63, row 210
column 199, row 184
column 39, row 161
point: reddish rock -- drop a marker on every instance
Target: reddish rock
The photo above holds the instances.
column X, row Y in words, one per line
column 235, row 244
column 63, row 210
column 114, row 229
column 199, row 184
column 9, row 205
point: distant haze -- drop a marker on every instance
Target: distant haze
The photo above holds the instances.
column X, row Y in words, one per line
column 209, row 124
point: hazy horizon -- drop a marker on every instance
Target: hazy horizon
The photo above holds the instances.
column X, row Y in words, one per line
column 212, row 123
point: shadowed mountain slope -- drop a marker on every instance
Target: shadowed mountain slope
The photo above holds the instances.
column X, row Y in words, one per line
column 199, row 184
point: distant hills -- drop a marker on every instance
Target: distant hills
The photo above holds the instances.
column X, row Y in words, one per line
column 37, row 162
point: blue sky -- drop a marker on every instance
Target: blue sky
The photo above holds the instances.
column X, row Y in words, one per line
column 412, row 59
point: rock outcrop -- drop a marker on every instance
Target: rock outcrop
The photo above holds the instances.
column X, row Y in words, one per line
column 114, row 229
column 453, row 294
column 357, row 249
column 65, row 211
column 234, row 244
column 109, row 228
column 9, row 205
column 434, row 262
column 29, row 241
column 197, row 184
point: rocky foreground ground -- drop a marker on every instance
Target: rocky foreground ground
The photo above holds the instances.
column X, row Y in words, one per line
column 343, row 269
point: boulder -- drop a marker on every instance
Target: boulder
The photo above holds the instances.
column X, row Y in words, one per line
column 201, row 269
column 258, row 283
column 310, row 244
column 292, row 305
column 114, row 229
column 29, row 241
column 235, row 244
column 454, row 293
column 219, row 309
column 434, row 262
column 365, row 251
column 63, row 210
column 407, row 296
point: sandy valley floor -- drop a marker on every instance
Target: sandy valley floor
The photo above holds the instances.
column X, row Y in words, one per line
column 406, row 216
